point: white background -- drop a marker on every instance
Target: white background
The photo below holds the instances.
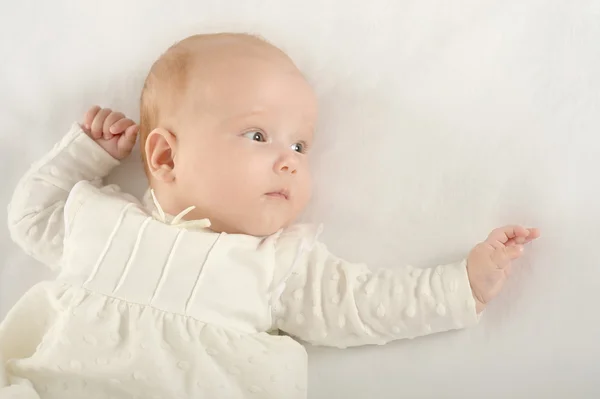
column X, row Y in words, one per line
column 440, row 120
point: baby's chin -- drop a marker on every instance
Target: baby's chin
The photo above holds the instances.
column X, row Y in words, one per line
column 257, row 228
column 261, row 230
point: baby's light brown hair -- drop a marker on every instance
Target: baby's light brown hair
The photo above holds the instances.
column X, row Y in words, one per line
column 166, row 81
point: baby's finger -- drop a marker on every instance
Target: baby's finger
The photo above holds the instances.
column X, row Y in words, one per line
column 503, row 256
column 517, row 241
column 533, row 234
column 132, row 132
column 89, row 116
column 127, row 139
column 121, row 125
column 98, row 122
column 109, row 121
column 502, row 235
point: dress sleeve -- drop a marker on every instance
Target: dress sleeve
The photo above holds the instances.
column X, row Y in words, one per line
column 36, row 212
column 325, row 300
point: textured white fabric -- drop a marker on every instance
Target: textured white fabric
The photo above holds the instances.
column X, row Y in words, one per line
column 147, row 306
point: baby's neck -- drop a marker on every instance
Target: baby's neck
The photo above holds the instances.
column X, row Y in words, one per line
column 172, row 208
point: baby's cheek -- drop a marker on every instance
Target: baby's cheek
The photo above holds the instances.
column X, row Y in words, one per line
column 302, row 197
column 305, row 186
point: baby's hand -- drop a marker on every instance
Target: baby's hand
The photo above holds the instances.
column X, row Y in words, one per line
column 111, row 130
column 488, row 264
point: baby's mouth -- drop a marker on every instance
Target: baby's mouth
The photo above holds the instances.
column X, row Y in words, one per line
column 282, row 194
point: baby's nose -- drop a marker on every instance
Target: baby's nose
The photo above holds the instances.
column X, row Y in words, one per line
column 288, row 169
column 286, row 164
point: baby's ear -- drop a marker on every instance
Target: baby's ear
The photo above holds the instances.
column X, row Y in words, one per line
column 160, row 153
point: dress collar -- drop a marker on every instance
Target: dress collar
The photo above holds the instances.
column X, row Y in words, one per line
column 151, row 203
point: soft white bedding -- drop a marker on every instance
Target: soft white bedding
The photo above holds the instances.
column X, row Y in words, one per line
column 440, row 120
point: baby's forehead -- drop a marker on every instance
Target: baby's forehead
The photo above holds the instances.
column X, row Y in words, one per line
column 204, row 51
column 202, row 60
column 204, row 71
column 225, row 66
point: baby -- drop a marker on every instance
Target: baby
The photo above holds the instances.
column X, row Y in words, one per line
column 182, row 295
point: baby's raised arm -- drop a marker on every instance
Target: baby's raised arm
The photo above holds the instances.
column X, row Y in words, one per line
column 87, row 152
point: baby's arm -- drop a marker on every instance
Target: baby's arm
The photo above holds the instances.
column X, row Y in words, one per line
column 329, row 301
column 35, row 214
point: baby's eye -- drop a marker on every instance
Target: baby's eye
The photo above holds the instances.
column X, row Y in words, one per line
column 299, row 147
column 256, row 136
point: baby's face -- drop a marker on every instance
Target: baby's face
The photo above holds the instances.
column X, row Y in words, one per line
column 243, row 136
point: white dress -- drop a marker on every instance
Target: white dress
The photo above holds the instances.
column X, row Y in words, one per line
column 146, row 306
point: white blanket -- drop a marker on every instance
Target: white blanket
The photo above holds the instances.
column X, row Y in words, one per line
column 439, row 121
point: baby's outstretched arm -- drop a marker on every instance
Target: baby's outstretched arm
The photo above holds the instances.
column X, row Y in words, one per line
column 87, row 152
column 328, row 301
